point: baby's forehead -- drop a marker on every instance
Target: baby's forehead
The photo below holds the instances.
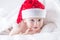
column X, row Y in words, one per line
column 34, row 18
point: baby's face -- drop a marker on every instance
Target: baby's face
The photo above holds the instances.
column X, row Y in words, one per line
column 34, row 23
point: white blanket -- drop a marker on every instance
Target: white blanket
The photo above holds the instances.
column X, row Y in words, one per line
column 39, row 36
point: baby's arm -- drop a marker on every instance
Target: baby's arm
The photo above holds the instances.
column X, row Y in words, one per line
column 15, row 31
column 18, row 30
column 6, row 31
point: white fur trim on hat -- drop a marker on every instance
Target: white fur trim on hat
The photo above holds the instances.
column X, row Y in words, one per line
column 34, row 12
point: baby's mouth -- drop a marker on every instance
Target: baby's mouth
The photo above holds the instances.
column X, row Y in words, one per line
column 35, row 27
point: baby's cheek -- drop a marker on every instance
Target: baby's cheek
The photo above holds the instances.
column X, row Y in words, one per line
column 31, row 24
column 41, row 24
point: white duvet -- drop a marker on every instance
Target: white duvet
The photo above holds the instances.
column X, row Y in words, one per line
column 39, row 36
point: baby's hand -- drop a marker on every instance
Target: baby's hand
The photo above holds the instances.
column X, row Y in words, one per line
column 29, row 31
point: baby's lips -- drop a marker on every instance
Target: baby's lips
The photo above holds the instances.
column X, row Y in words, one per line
column 35, row 27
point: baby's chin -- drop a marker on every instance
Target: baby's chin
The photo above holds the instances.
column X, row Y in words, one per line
column 36, row 30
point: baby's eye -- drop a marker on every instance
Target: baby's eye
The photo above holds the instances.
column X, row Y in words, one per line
column 39, row 19
column 32, row 20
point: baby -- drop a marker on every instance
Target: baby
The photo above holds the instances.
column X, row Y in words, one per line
column 31, row 18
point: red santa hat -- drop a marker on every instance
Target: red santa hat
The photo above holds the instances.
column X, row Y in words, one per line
column 31, row 8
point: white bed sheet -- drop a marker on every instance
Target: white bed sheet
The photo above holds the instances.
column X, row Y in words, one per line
column 39, row 36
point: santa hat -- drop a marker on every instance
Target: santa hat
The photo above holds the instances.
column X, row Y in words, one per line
column 31, row 8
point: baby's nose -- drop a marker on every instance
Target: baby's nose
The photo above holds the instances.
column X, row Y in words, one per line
column 36, row 23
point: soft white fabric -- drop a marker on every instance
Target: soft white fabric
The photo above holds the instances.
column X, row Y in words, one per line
column 53, row 11
column 34, row 12
column 39, row 36
column 49, row 27
column 3, row 24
